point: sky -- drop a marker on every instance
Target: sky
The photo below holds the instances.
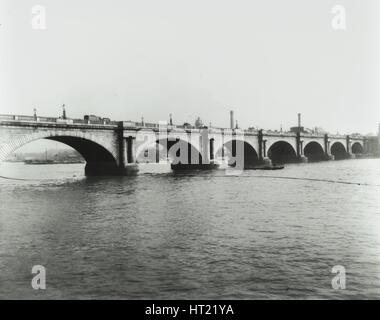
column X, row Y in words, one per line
column 266, row 59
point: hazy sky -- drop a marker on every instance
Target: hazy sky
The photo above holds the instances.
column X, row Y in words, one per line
column 266, row 59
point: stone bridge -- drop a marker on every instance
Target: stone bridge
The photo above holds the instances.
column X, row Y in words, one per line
column 116, row 148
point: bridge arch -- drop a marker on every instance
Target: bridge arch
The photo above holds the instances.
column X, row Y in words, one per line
column 282, row 152
column 338, row 150
column 236, row 150
column 100, row 159
column 314, row 151
column 357, row 148
column 177, row 150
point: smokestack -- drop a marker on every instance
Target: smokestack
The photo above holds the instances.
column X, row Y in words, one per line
column 299, row 120
column 232, row 122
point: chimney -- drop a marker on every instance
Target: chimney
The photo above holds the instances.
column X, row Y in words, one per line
column 232, row 122
column 299, row 120
column 63, row 111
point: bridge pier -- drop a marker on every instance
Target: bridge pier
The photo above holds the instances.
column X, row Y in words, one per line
column 130, row 166
column 328, row 156
column 263, row 160
column 349, row 155
column 212, row 163
column 299, row 143
column 302, row 159
column 130, row 170
column 127, row 153
column 262, row 155
column 212, row 151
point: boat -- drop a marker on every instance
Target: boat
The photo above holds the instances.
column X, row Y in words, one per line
column 190, row 167
column 265, row 167
column 37, row 161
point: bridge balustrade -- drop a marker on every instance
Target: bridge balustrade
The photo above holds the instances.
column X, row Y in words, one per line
column 79, row 121
column 7, row 117
column 26, row 118
column 151, row 125
column 46, row 119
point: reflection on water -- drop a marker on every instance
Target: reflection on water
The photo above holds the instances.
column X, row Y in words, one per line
column 163, row 235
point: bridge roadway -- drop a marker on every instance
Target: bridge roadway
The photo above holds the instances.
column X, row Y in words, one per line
column 117, row 147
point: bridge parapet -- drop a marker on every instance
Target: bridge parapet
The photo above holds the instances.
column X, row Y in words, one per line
column 22, row 119
column 278, row 134
column 313, row 135
column 7, row 117
column 336, row 136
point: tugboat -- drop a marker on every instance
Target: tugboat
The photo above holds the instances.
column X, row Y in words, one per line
column 192, row 167
column 266, row 167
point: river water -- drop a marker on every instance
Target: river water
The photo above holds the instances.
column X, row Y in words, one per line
column 258, row 235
